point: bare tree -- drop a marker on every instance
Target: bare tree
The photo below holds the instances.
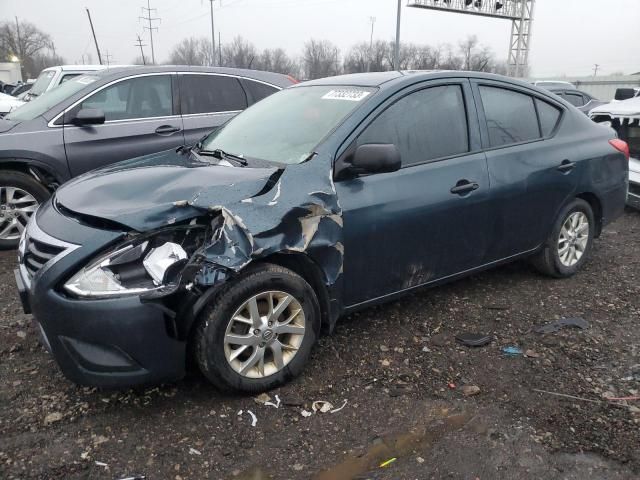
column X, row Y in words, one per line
column 191, row 51
column 40, row 61
column 25, row 46
column 475, row 56
column 276, row 60
column 358, row 58
column 321, row 58
column 239, row 53
column 379, row 54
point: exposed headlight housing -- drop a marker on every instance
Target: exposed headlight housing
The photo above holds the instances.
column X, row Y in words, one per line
column 135, row 268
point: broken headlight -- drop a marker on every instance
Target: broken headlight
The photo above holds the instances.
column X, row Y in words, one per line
column 136, row 267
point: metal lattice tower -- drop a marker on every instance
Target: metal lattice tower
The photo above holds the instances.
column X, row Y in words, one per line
column 520, row 12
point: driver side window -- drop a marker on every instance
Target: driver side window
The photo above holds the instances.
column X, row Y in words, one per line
column 142, row 97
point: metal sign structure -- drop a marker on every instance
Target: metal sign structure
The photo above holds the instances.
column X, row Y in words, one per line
column 520, row 12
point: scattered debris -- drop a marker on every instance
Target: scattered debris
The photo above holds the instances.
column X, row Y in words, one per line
column 386, row 463
column 335, row 410
column 306, row 413
column 52, row 418
column 193, row 451
column 552, row 327
column 254, row 419
column 262, row 398
column 135, row 477
column 470, row 390
column 474, row 339
column 271, row 404
column 298, row 467
column 21, row 334
column 622, row 399
column 385, row 363
column 321, row 406
column 101, row 464
column 531, row 354
column 572, row 397
column 452, row 385
column 512, row 351
column 419, row 459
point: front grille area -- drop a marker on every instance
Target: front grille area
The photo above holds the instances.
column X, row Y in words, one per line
column 37, row 254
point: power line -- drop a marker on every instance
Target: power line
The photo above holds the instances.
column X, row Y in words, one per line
column 151, row 28
column 140, row 44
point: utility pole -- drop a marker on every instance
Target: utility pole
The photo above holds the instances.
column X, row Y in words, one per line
column 108, row 57
column 140, row 44
column 213, row 37
column 396, row 54
column 219, row 49
column 151, row 28
column 94, row 36
column 373, row 22
column 595, row 69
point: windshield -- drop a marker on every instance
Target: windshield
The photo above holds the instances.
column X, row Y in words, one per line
column 39, row 105
column 287, row 126
column 42, row 82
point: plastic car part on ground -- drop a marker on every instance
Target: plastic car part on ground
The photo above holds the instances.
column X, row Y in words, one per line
column 512, row 351
column 557, row 325
column 474, row 339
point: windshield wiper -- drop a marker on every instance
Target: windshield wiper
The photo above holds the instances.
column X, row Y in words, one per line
column 222, row 155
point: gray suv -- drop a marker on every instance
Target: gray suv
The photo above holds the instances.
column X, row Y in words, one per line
column 112, row 115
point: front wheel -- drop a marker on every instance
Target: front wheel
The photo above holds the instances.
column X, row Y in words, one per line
column 258, row 331
column 20, row 196
column 568, row 246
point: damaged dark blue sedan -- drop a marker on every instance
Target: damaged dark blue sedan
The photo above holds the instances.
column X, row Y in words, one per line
column 322, row 199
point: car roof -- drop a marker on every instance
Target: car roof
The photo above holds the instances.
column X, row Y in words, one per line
column 380, row 79
column 276, row 79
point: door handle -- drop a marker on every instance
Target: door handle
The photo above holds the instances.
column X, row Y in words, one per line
column 166, row 130
column 566, row 166
column 464, row 186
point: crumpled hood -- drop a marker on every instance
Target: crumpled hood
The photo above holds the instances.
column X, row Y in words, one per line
column 152, row 191
column 624, row 108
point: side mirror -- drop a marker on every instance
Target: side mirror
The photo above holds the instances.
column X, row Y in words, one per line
column 625, row 93
column 88, row 116
column 375, row 158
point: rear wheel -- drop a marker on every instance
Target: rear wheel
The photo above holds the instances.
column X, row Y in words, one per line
column 568, row 246
column 258, row 331
column 20, row 196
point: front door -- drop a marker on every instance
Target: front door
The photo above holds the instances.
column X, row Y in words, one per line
column 428, row 220
column 139, row 119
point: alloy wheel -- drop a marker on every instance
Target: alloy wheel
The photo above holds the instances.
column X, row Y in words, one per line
column 573, row 239
column 16, row 207
column 264, row 334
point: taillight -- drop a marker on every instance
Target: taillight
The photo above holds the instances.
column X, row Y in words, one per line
column 621, row 146
column 293, row 80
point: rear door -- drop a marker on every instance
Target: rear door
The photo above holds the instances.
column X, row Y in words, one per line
column 207, row 101
column 531, row 168
column 428, row 220
column 139, row 120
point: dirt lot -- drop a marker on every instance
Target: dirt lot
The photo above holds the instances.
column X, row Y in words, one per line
column 402, row 376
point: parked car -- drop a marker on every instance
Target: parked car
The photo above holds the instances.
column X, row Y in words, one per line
column 8, row 103
column 51, row 77
column 579, row 99
column 111, row 115
column 624, row 117
column 320, row 200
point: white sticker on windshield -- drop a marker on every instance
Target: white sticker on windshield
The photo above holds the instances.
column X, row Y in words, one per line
column 348, row 94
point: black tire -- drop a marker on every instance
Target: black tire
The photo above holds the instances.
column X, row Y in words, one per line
column 211, row 328
column 547, row 261
column 28, row 184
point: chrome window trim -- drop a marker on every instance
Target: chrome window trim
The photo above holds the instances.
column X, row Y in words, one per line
column 209, row 114
column 127, row 120
column 51, row 123
column 33, row 231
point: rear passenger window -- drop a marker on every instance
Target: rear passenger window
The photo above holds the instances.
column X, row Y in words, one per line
column 424, row 125
column 256, row 91
column 549, row 116
column 511, row 116
column 211, row 93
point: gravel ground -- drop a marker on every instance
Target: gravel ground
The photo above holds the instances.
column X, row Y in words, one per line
column 405, row 381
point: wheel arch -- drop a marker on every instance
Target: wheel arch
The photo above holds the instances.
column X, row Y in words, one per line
column 596, row 205
column 40, row 171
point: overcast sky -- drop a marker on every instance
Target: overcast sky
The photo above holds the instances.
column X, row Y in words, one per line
column 569, row 36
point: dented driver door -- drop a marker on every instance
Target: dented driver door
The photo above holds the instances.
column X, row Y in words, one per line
column 428, row 220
